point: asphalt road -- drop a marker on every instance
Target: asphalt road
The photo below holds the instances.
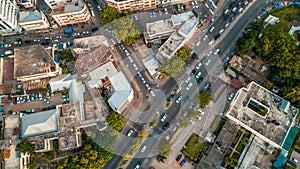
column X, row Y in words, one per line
column 223, row 45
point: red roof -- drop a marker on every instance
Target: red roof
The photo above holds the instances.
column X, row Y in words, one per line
column 236, row 83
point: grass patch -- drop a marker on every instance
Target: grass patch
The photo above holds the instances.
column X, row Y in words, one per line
column 236, row 155
column 217, row 125
column 289, row 13
column 240, row 147
column 195, row 146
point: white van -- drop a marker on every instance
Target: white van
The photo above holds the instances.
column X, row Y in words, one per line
column 240, row 10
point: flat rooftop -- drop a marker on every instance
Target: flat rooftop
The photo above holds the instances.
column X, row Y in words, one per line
column 171, row 45
column 31, row 60
column 68, row 7
column 88, row 44
column 261, row 112
column 29, row 16
column 181, row 18
column 161, row 27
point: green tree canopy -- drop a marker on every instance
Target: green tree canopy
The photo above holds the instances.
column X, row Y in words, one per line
column 115, row 121
column 247, row 42
column 25, row 147
column 126, row 30
column 87, row 158
column 231, row 161
column 203, row 98
column 143, row 134
column 171, row 67
column 66, row 55
column 108, row 14
column 164, row 147
column 184, row 53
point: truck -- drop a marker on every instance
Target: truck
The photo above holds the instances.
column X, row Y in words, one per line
column 68, row 31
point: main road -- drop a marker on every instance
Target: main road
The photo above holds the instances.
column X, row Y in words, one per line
column 224, row 45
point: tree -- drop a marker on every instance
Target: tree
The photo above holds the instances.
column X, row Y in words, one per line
column 171, row 67
column 203, row 98
column 32, row 165
column 108, row 14
column 66, row 55
column 231, row 161
column 87, row 158
column 127, row 156
column 268, row 84
column 247, row 42
column 26, row 147
column 184, row 122
column 164, row 147
column 115, row 121
column 143, row 134
column 184, row 53
column 126, row 30
column 127, row 12
column 135, row 146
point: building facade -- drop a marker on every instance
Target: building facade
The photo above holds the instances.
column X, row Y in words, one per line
column 69, row 12
column 8, row 18
column 27, row 3
column 33, row 20
column 132, row 5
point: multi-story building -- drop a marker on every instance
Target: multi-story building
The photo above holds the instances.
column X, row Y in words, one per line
column 132, row 5
column 8, row 18
column 33, row 20
column 26, row 3
column 68, row 12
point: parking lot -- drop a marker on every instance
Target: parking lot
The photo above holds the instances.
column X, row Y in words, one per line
column 36, row 105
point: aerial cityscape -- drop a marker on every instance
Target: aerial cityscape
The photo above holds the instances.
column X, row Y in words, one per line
column 149, row 84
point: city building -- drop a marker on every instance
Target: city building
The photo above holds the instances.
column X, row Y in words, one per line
column 69, row 12
column 132, row 5
column 32, row 64
column 26, row 3
column 171, row 2
column 33, row 20
column 264, row 114
column 9, row 13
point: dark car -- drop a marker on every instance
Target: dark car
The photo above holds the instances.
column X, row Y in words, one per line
column 217, row 36
column 178, row 157
column 182, row 162
column 200, row 80
column 194, row 56
column 161, row 158
column 166, row 126
column 94, row 29
column 226, row 17
column 206, row 86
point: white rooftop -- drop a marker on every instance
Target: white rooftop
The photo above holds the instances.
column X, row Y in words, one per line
column 121, row 92
column 29, row 16
column 107, row 70
column 181, row 18
column 152, row 65
column 39, row 123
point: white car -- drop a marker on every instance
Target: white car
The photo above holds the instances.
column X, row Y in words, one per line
column 230, row 97
column 205, row 37
column 187, row 79
column 208, row 53
column 192, row 121
column 178, row 99
column 147, row 86
column 221, row 31
column 99, row 7
column 152, row 93
column 135, row 67
column 143, row 80
column 208, row 62
column 143, row 149
column 189, row 86
column 198, row 75
column 216, row 51
column 198, row 65
column 226, row 25
column 130, row 59
column 130, row 132
column 211, row 29
column 211, row 42
column 163, row 118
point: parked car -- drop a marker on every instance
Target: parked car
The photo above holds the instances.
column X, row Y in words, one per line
column 138, row 165
column 198, row 75
column 189, row 86
column 230, row 97
column 187, row 79
column 211, row 29
column 179, row 157
column 182, row 162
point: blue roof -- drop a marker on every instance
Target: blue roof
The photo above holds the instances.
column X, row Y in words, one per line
column 283, row 105
column 280, row 161
column 290, row 138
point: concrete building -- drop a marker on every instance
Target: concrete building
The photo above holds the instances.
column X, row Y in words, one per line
column 66, row 12
column 132, row 5
column 264, row 114
column 33, row 20
column 169, row 2
column 26, row 3
column 34, row 63
column 9, row 13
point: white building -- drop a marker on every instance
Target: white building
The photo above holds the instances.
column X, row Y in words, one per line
column 8, row 18
column 68, row 12
column 33, row 20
